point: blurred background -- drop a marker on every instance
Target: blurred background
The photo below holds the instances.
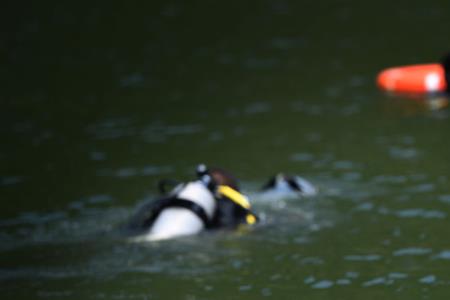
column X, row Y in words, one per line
column 100, row 101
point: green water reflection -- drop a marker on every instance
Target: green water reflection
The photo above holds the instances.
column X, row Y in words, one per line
column 99, row 102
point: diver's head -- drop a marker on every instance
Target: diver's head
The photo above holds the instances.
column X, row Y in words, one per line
column 222, row 177
column 217, row 176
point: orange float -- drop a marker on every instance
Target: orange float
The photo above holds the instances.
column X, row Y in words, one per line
column 424, row 78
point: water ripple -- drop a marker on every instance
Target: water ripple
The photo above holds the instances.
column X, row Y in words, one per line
column 392, row 179
column 396, row 275
column 377, row 281
column 429, row 279
column 422, row 213
column 403, row 152
column 10, row 180
column 343, row 281
column 444, row 198
column 257, row 108
column 402, row 213
column 443, row 255
column 323, row 284
column 156, row 132
column 34, row 218
column 127, row 172
column 285, row 43
column 412, row 251
column 368, row 258
column 422, row 188
column 315, row 109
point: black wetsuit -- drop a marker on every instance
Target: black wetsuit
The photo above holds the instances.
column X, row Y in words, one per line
column 228, row 214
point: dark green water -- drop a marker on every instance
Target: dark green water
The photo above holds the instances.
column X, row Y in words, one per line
column 99, row 102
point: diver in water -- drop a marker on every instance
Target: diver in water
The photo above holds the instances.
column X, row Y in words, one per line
column 282, row 186
column 212, row 201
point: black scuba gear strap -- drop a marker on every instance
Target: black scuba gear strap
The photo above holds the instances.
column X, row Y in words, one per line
column 192, row 206
column 182, row 203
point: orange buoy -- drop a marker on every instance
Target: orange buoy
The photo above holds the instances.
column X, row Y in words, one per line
column 426, row 78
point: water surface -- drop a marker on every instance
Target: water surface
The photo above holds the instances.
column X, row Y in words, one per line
column 99, row 102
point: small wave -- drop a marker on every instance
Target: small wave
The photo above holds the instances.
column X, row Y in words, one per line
column 323, row 284
column 412, row 251
column 127, row 172
column 367, row 258
column 429, row 279
column 11, row 180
